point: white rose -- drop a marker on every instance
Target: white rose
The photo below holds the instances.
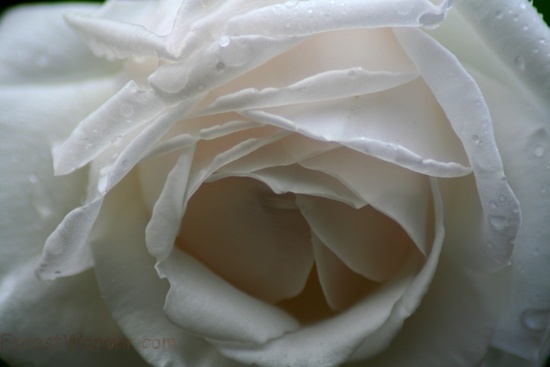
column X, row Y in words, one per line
column 300, row 183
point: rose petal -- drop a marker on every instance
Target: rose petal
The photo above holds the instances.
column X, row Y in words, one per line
column 332, row 84
column 62, row 323
column 371, row 124
column 399, row 193
column 469, row 116
column 36, row 46
column 389, row 59
column 341, row 286
column 367, row 241
column 296, row 18
column 420, row 341
column 132, row 290
column 514, row 30
column 331, row 342
column 117, row 40
column 249, row 233
column 526, row 321
column 193, row 303
column 189, row 174
column 287, row 151
column 298, row 180
column 127, row 110
column 66, row 251
column 33, row 200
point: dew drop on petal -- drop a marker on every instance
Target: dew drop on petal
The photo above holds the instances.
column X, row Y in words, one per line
column 535, row 320
column 498, row 222
column 126, row 110
column 539, row 151
column 224, row 41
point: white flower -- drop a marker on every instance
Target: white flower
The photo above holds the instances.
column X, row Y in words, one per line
column 299, row 183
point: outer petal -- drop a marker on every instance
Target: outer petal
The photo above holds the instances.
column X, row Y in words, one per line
column 517, row 34
column 36, row 46
column 469, row 116
column 133, row 291
column 525, row 137
column 62, row 323
column 33, row 201
column 436, row 334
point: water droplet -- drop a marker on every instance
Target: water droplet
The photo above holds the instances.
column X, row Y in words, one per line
column 536, row 320
column 539, row 151
column 235, row 53
column 126, row 110
column 522, row 6
column 88, row 146
column 493, row 204
column 525, row 27
column 520, row 63
column 476, row 139
column 515, row 17
column 352, row 73
column 220, row 66
column 291, row 3
column 224, row 41
column 499, row 14
column 498, row 222
column 542, row 41
column 309, row 10
column 32, row 179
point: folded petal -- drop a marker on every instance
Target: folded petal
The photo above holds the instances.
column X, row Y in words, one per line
column 133, row 291
column 128, row 109
column 332, row 341
column 187, row 176
column 66, row 250
column 371, row 124
column 421, row 340
column 244, row 232
column 400, row 194
column 296, row 18
column 468, row 114
column 193, row 303
column 525, row 138
column 341, row 286
column 367, row 241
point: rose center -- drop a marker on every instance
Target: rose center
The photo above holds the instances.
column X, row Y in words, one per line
column 261, row 243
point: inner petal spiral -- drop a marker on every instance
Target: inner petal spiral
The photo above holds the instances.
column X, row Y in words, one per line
column 290, row 249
